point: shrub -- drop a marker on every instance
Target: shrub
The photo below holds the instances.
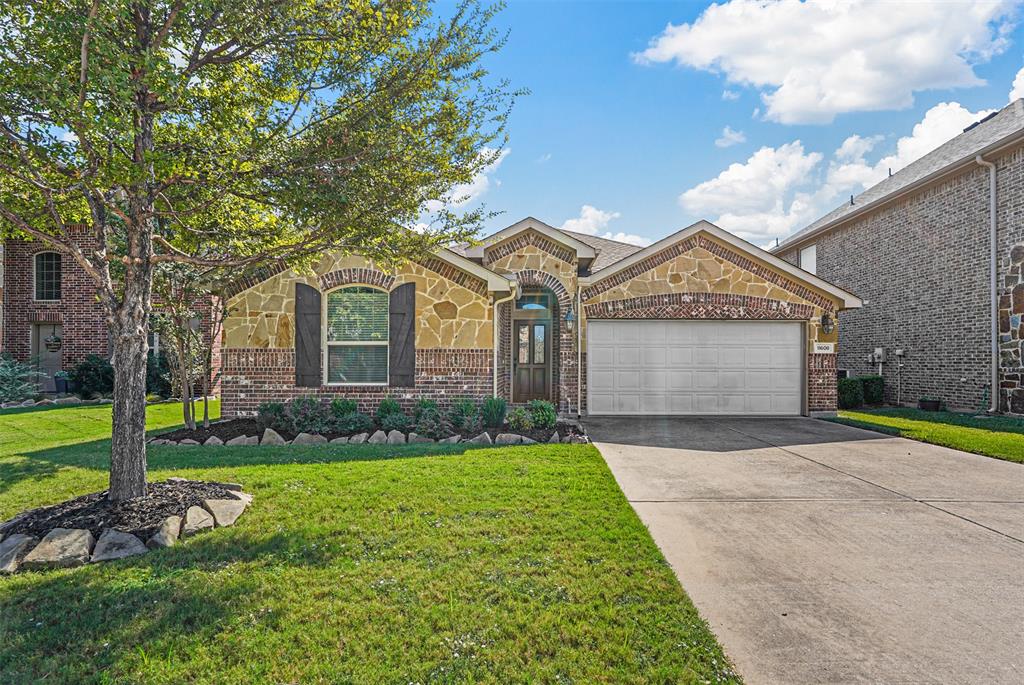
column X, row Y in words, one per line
column 309, row 415
column 273, row 415
column 157, row 375
column 422, row 405
column 388, row 406
column 520, row 420
column 492, row 411
column 543, row 414
column 851, row 393
column 343, row 407
column 464, row 415
column 93, row 376
column 17, row 380
column 395, row 421
column 874, row 389
column 431, row 423
column 353, row 422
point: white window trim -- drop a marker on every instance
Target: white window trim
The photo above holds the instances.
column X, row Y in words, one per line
column 325, row 344
column 812, row 246
column 35, row 290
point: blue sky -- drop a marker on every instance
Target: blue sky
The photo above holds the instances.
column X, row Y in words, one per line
column 628, row 99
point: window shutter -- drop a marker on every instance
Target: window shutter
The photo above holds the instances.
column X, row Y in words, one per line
column 307, row 336
column 402, row 338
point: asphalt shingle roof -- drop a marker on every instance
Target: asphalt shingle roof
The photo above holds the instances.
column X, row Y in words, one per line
column 608, row 251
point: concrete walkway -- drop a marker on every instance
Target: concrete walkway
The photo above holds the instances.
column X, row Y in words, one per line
column 821, row 553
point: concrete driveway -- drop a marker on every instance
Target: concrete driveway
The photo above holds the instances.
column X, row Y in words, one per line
column 821, row 553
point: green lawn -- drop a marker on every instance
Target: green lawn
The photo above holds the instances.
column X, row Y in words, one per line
column 999, row 437
column 355, row 564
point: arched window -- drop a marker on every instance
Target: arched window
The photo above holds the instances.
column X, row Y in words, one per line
column 356, row 336
column 47, row 276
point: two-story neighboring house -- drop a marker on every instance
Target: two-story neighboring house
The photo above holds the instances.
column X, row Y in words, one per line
column 939, row 271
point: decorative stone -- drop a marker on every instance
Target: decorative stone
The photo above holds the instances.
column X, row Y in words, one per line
column 580, row 440
column 309, row 439
column 32, row 403
column 417, row 438
column 271, row 437
column 508, row 439
column 567, row 439
column 70, row 399
column 554, row 437
column 451, row 441
column 106, row 400
column 196, row 519
column 357, row 439
column 44, row 403
column 482, row 439
column 167, row 534
column 61, row 548
column 339, row 441
column 234, row 487
column 446, row 310
column 225, row 511
column 244, row 496
column 378, row 437
column 213, row 441
column 188, row 441
column 116, row 544
column 528, row 441
column 240, row 440
column 13, row 549
column 396, row 437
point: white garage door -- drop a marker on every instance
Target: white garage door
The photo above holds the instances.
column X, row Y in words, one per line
column 694, row 367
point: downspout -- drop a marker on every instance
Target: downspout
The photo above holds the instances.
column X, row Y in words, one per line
column 993, row 304
column 494, row 340
column 579, row 351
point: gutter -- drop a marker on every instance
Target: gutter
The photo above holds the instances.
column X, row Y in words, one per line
column 494, row 339
column 993, row 294
column 579, row 350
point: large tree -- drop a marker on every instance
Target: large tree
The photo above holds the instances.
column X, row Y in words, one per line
column 232, row 134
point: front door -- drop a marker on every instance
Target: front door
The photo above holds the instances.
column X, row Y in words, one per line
column 47, row 343
column 532, row 367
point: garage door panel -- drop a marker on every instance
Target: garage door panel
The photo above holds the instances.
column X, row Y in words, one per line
column 695, row 367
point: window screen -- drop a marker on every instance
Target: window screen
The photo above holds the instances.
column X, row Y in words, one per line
column 47, row 276
column 357, row 336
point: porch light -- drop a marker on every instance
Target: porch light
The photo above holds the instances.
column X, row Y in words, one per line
column 570, row 318
column 827, row 323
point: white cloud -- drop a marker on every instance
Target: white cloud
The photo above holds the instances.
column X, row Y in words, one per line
column 730, row 138
column 464, row 193
column 779, row 190
column 815, row 59
column 730, row 95
column 1017, row 91
column 594, row 221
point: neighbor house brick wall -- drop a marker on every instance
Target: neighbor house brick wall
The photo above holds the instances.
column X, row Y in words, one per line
column 921, row 265
column 252, row 376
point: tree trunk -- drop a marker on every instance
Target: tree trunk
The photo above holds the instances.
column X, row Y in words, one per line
column 128, row 440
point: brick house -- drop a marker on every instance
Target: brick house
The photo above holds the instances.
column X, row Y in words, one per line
column 919, row 247
column 700, row 322
column 50, row 312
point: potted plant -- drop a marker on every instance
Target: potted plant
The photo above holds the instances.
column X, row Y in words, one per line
column 60, row 380
column 929, row 404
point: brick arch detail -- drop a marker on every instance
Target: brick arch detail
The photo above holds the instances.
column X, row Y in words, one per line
column 691, row 305
column 542, row 279
column 362, row 276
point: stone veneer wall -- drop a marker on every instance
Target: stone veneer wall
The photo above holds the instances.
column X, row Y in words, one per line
column 921, row 265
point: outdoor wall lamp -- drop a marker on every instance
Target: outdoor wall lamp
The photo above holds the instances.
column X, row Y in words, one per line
column 827, row 323
column 570, row 319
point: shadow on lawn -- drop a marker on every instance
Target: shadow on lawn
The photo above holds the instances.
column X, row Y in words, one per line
column 993, row 424
column 76, row 625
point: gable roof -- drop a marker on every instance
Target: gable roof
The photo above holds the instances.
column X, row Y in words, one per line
column 992, row 133
column 849, row 300
column 608, row 251
column 583, row 250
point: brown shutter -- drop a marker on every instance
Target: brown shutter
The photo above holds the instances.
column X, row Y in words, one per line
column 402, row 337
column 307, row 337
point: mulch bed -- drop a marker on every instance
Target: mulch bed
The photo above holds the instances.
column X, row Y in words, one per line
column 141, row 516
column 232, row 428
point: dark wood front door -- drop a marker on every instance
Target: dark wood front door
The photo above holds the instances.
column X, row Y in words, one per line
column 532, row 361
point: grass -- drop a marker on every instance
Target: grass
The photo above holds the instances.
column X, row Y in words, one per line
column 999, row 437
column 355, row 564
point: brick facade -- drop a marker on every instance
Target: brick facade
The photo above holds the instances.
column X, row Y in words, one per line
column 921, row 263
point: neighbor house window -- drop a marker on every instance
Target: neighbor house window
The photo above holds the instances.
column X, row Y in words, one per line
column 47, row 268
column 357, row 336
column 809, row 259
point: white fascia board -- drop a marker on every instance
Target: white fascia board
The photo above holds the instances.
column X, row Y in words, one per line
column 495, row 281
column 583, row 251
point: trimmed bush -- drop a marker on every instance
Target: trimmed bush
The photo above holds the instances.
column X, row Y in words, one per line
column 851, row 393
column 395, row 421
column 431, row 423
column 309, row 415
column 492, row 411
column 388, row 406
column 519, row 419
column 874, row 389
column 421, row 406
column 94, row 376
column 17, row 380
column 353, row 422
column 273, row 415
column 543, row 414
column 343, row 407
column 464, row 415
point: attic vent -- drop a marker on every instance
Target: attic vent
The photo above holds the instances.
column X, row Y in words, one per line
column 980, row 121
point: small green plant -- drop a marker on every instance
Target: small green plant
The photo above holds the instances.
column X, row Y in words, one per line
column 17, row 380
column 273, row 415
column 432, row 423
column 309, row 415
column 874, row 389
column 492, row 411
column 851, row 393
column 519, row 419
column 93, row 376
column 395, row 421
column 343, row 407
column 388, row 406
column 543, row 414
column 353, row 422
column 464, row 415
column 422, row 405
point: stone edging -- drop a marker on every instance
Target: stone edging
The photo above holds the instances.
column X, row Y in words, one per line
column 395, row 437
